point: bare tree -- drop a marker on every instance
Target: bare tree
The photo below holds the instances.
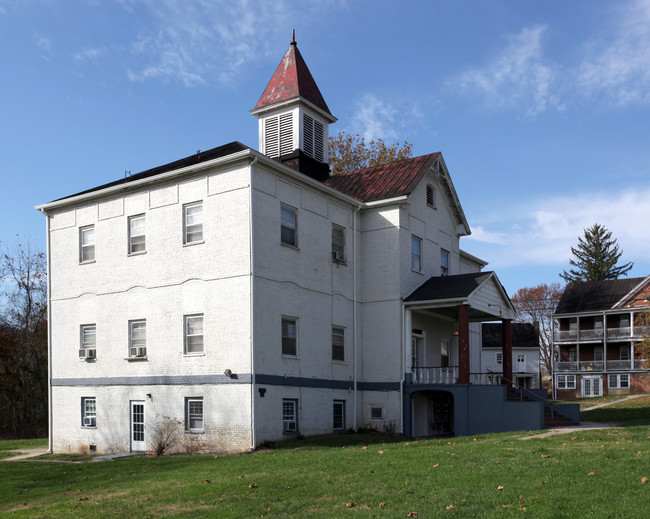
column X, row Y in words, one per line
column 23, row 342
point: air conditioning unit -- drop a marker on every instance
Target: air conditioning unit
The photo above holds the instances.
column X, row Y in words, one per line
column 290, row 426
column 90, row 421
column 87, row 353
column 338, row 255
column 138, row 351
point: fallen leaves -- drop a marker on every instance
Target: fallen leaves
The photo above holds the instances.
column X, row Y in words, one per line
column 644, row 480
column 351, row 505
column 450, row 507
column 382, row 504
column 500, row 487
column 412, row 514
column 545, row 456
column 592, row 474
column 436, row 465
column 252, row 485
column 207, row 481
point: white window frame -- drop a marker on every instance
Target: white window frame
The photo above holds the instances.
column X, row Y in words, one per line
column 137, row 234
column 338, row 244
column 193, row 223
column 88, row 341
column 89, row 412
column 191, row 334
column 444, row 262
column 431, row 196
column 416, row 255
column 340, row 406
column 618, row 381
column 288, row 342
column 290, row 240
column 87, row 244
column 498, row 358
column 194, row 414
column 338, row 343
column 290, row 415
column 566, row 382
column 138, row 338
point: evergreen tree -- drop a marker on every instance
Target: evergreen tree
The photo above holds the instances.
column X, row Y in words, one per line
column 596, row 257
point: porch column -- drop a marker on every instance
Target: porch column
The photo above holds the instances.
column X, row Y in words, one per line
column 506, row 351
column 463, row 344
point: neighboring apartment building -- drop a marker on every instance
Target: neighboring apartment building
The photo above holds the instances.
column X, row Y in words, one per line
column 250, row 297
column 525, row 353
column 595, row 329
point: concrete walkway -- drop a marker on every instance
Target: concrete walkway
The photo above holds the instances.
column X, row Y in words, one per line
column 26, row 454
column 605, row 404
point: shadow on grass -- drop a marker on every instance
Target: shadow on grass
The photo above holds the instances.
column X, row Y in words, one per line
column 625, row 417
column 337, row 440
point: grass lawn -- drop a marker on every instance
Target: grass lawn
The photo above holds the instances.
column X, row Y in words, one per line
column 597, row 473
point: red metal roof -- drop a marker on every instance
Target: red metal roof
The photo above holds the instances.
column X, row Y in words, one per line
column 292, row 79
column 385, row 181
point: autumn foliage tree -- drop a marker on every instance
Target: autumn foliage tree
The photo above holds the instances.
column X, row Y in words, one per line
column 536, row 305
column 349, row 152
column 642, row 349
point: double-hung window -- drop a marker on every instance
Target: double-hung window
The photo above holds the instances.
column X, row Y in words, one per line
column 416, row 254
column 566, row 381
column 444, row 262
column 137, row 234
column 194, row 414
column 87, row 244
column 338, row 343
column 288, row 226
column 88, row 342
column 499, row 358
column 193, row 223
column 289, row 415
column 338, row 415
column 289, row 337
column 138, row 338
column 338, row 244
column 88, row 412
column 193, row 334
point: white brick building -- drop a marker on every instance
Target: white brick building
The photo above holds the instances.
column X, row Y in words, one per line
column 248, row 296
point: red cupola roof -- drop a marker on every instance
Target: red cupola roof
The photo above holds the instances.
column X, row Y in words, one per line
column 292, row 80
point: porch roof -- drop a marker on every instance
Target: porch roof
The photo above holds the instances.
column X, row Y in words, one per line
column 482, row 291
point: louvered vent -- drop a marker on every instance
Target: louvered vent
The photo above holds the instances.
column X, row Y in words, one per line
column 318, row 141
column 308, row 135
column 286, row 134
column 271, row 144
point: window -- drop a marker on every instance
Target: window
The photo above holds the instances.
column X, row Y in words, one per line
column 194, row 414
column 88, row 412
column 87, row 244
column 339, row 415
column 313, row 137
column 499, row 358
column 289, row 415
column 88, row 342
column 278, row 135
column 521, row 358
column 193, row 223
column 136, row 234
column 338, row 343
column 619, row 381
column 624, row 353
column 598, row 354
column 289, row 337
column 573, row 355
column 431, row 196
column 376, row 413
column 193, row 334
column 444, row 353
column 444, row 262
column 338, row 244
column 416, row 254
column 566, row 381
column 288, row 226
column 138, row 338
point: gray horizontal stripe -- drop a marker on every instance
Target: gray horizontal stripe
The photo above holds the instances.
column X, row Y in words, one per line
column 170, row 380
column 278, row 380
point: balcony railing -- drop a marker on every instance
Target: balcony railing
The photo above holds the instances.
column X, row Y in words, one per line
column 566, row 366
column 592, row 365
column 596, row 334
column 616, row 333
column 624, row 365
column 599, row 365
column 435, row 375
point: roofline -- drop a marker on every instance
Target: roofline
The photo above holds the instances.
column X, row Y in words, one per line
column 403, row 199
column 475, row 259
column 294, row 100
column 602, row 312
column 452, row 190
column 437, row 303
column 195, row 168
column 631, row 292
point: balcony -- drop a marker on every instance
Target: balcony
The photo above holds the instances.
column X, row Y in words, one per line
column 598, row 365
column 596, row 334
column 566, row 366
column 592, row 365
column 624, row 365
column 435, row 375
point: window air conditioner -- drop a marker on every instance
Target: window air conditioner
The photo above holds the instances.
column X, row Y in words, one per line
column 91, row 353
column 90, row 421
column 338, row 255
column 138, row 351
column 290, row 426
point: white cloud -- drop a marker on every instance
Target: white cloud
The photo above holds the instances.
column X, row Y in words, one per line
column 45, row 44
column 547, row 229
column 374, row 118
column 89, row 54
column 619, row 70
column 517, row 78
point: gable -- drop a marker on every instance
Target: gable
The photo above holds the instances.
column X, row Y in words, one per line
column 595, row 295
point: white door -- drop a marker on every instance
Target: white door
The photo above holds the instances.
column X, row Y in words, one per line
column 521, row 363
column 592, row 386
column 417, row 345
column 137, row 426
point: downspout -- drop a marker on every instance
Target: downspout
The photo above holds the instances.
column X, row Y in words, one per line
column 251, row 298
column 403, row 368
column 49, row 335
column 354, row 320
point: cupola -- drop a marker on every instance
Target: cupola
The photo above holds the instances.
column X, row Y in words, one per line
column 294, row 118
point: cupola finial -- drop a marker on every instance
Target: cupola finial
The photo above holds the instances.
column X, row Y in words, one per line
column 293, row 37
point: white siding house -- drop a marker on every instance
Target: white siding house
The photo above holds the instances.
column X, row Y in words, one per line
column 247, row 297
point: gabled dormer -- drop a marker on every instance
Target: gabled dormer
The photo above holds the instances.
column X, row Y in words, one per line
column 294, row 118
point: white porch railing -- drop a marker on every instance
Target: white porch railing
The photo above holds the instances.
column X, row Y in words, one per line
column 485, row 379
column 624, row 365
column 435, row 375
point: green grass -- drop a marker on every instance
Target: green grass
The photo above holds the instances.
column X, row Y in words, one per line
column 631, row 412
column 10, row 448
column 592, row 473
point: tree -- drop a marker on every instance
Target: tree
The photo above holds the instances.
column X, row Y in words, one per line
column 537, row 304
column 23, row 342
column 350, row 152
column 596, row 257
column 642, row 349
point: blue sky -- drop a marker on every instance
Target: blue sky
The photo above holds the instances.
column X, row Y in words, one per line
column 541, row 109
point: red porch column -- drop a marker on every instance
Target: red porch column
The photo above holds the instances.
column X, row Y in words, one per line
column 463, row 344
column 506, row 351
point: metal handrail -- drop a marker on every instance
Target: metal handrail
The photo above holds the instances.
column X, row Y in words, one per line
column 535, row 396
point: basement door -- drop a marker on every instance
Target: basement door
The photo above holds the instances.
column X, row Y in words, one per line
column 137, row 426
